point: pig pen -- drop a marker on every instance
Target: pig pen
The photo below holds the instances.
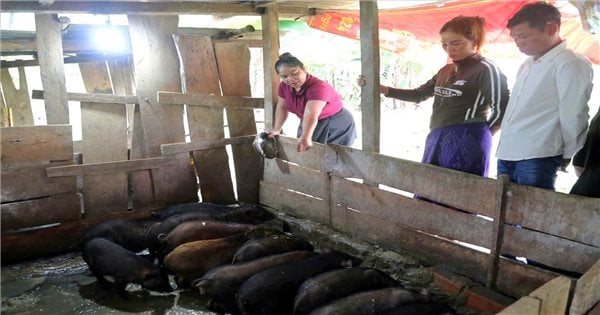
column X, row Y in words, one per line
column 63, row 284
column 329, row 195
column 457, row 238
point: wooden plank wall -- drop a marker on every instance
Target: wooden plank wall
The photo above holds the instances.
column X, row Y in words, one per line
column 233, row 61
column 29, row 198
column 199, row 68
column 104, row 139
column 325, row 184
column 157, row 69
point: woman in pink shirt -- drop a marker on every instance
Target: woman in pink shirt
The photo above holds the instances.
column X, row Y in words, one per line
column 323, row 117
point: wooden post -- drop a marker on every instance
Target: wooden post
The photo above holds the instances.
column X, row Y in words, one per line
column 497, row 231
column 52, row 69
column 270, row 34
column 17, row 99
column 370, row 98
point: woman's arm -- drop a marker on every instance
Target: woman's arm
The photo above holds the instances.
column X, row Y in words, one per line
column 309, row 123
column 281, row 115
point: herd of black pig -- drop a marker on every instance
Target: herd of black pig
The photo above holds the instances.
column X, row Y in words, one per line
column 244, row 260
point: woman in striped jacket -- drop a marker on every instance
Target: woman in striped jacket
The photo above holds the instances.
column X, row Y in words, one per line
column 470, row 95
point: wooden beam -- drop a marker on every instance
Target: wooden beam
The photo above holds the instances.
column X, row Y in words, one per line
column 110, row 167
column 92, row 97
column 174, row 148
column 210, row 100
column 146, row 8
column 52, row 70
column 70, row 59
column 270, row 34
column 370, row 98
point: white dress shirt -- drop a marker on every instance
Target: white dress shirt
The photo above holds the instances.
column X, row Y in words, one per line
column 547, row 113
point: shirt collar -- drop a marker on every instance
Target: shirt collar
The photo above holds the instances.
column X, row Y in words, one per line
column 552, row 53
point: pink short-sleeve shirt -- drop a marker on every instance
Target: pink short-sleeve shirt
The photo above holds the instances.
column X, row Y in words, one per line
column 314, row 89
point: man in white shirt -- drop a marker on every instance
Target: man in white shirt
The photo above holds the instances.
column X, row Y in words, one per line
column 547, row 114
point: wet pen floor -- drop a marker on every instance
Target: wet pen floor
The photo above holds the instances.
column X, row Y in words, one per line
column 64, row 285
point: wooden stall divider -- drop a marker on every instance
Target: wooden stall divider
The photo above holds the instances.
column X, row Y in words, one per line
column 200, row 75
column 355, row 208
column 104, row 139
column 157, row 69
column 17, row 99
column 233, row 63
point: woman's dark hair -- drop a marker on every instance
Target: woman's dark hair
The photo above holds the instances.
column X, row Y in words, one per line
column 471, row 27
column 288, row 60
column 537, row 15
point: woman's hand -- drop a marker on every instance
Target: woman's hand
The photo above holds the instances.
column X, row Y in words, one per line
column 361, row 80
column 303, row 144
column 274, row 132
column 382, row 88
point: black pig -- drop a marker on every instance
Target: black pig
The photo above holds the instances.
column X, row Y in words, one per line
column 106, row 258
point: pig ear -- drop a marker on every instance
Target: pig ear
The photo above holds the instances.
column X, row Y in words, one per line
column 162, row 237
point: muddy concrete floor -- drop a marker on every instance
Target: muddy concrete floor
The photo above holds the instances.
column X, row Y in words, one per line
column 64, row 285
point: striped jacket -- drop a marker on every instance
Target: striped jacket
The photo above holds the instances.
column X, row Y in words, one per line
column 469, row 90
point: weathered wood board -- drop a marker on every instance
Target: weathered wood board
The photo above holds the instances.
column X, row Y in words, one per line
column 294, row 203
column 157, row 69
column 550, row 298
column 439, row 184
column 17, row 98
column 548, row 249
column 104, row 138
column 311, row 182
column 53, row 209
column 390, row 235
column 587, row 291
column 270, row 35
column 172, row 148
column 37, row 143
column 111, row 167
column 123, row 81
column 29, row 181
column 233, row 61
column 414, row 214
column 201, row 76
column 191, row 99
column 517, row 279
column 52, row 70
column 568, row 216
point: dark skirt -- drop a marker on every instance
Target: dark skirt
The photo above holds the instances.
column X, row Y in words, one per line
column 336, row 129
column 462, row 147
